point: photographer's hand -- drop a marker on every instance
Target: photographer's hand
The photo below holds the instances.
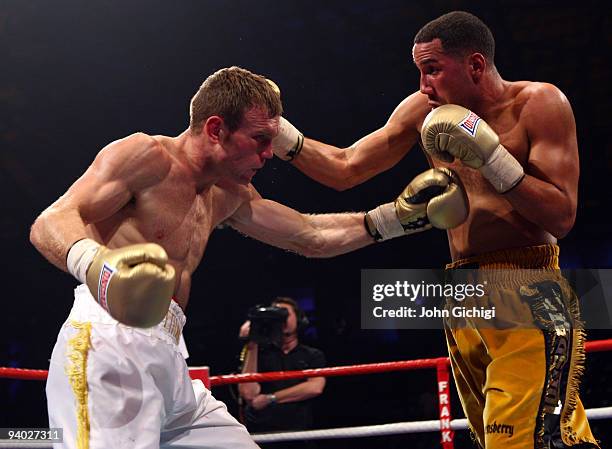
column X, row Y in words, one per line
column 245, row 329
column 261, row 401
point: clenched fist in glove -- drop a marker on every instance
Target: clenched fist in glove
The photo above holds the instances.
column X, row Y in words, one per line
column 134, row 283
column 451, row 131
column 434, row 198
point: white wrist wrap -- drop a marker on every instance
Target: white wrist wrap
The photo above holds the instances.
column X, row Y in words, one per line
column 386, row 222
column 79, row 258
column 289, row 141
column 502, row 170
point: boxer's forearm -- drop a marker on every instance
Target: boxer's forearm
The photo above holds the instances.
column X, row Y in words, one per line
column 54, row 232
column 543, row 204
column 332, row 234
column 433, row 198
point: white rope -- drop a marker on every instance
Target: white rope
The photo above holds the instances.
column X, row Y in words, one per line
column 362, row 431
column 388, row 429
column 341, row 432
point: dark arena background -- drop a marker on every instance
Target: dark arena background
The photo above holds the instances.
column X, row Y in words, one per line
column 77, row 75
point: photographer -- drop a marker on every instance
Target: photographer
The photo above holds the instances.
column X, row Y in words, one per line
column 283, row 404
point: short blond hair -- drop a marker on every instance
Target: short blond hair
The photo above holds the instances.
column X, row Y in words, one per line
column 229, row 93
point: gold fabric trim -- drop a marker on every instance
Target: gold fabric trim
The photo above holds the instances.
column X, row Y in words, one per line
column 528, row 257
column 76, row 370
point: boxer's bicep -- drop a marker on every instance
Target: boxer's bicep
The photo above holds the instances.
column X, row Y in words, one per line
column 119, row 172
column 343, row 168
column 96, row 196
column 379, row 151
column 551, row 129
column 385, row 147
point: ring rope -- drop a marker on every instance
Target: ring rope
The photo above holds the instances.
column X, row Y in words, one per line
column 34, row 374
column 352, row 370
column 388, row 429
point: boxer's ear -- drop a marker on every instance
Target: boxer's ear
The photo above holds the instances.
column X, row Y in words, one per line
column 213, row 127
column 478, row 65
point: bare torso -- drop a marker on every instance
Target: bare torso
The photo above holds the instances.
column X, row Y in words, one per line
column 173, row 214
column 492, row 223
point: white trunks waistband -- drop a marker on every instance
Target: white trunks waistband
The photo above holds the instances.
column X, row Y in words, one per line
column 87, row 309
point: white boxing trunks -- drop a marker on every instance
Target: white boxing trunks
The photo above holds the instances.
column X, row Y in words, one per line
column 114, row 386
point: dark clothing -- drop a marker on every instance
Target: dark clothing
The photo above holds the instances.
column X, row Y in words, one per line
column 291, row 415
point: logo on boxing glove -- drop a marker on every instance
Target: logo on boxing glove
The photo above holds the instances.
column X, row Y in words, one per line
column 106, row 274
column 470, row 124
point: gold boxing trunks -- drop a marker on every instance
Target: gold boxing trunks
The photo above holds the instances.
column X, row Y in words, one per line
column 518, row 381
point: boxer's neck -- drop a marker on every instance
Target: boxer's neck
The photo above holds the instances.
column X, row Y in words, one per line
column 200, row 159
column 491, row 93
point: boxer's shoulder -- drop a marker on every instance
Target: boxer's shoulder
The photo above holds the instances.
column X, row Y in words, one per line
column 540, row 104
column 229, row 195
column 535, row 93
column 412, row 110
column 224, row 198
column 406, row 120
column 136, row 148
column 229, row 187
column 138, row 158
column 136, row 142
column 149, row 157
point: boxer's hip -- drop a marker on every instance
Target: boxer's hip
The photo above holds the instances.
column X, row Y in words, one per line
column 86, row 310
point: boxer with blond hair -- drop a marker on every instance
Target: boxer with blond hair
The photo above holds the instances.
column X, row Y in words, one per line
column 133, row 228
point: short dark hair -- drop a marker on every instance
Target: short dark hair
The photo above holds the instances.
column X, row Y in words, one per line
column 289, row 301
column 229, row 93
column 300, row 315
column 460, row 33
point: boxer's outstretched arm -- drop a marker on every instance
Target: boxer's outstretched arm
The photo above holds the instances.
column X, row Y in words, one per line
column 343, row 168
column 323, row 235
column 433, row 198
column 119, row 170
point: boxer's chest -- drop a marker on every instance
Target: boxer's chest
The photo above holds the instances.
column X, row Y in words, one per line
column 181, row 220
column 512, row 135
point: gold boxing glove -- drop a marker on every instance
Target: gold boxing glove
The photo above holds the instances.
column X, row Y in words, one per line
column 451, row 131
column 434, row 198
column 134, row 283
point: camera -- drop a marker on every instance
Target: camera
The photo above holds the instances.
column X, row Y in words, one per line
column 267, row 324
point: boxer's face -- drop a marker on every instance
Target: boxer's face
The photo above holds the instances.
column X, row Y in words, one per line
column 247, row 148
column 444, row 78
